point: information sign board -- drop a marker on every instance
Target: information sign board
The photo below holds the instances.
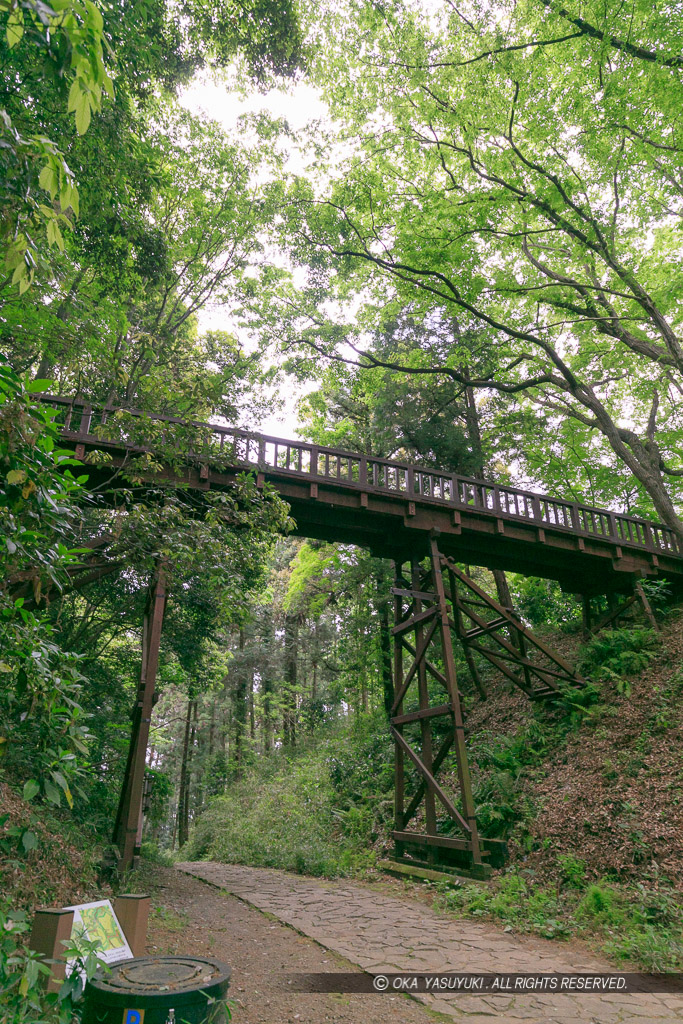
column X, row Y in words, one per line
column 98, row 922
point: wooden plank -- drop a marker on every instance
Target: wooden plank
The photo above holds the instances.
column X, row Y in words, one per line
column 612, row 614
column 403, row 868
column 448, row 842
column 421, row 595
column 549, row 653
column 525, row 663
column 417, row 716
column 426, row 751
column 397, row 667
column 493, row 625
column 462, row 763
column 501, row 666
column 405, row 627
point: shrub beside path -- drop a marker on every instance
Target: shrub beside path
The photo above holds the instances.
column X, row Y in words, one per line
column 381, row 933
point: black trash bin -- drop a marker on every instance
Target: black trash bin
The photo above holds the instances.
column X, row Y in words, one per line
column 159, row 989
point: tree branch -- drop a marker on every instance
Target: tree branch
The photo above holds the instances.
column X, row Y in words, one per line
column 635, row 51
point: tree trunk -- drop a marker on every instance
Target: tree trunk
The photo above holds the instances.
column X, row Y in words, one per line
column 473, row 423
column 267, row 685
column 240, row 709
column 289, row 702
column 183, row 811
column 252, row 717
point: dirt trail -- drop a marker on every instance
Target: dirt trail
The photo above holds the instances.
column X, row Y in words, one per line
column 191, row 917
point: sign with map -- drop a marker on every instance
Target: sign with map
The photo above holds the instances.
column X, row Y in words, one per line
column 98, row 923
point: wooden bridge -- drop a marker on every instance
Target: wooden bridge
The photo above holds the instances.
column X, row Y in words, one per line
column 385, row 505
column 426, row 521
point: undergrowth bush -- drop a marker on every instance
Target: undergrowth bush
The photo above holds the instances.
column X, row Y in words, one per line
column 636, row 924
column 317, row 813
column 512, row 900
column 618, row 653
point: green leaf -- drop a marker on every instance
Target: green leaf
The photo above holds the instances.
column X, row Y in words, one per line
column 52, row 793
column 83, row 118
column 95, row 16
column 54, row 235
column 29, row 841
column 35, row 386
column 15, row 27
column 20, row 274
column 60, row 780
column 31, row 789
column 49, row 179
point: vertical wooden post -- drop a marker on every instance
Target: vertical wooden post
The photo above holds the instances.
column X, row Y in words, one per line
column 399, row 776
column 51, row 928
column 130, row 802
column 133, row 914
column 425, row 725
column 586, row 616
column 647, row 607
column 454, row 694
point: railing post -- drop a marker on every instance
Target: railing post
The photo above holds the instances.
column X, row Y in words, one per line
column 613, row 526
column 363, row 471
column 314, row 462
column 86, row 417
column 649, row 539
column 410, row 480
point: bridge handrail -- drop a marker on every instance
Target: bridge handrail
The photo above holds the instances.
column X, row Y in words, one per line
column 388, row 476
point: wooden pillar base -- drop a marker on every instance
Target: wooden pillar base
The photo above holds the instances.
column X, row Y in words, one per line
column 133, row 914
column 51, row 929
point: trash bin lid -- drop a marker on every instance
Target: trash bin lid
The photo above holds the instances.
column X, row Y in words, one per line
column 152, row 977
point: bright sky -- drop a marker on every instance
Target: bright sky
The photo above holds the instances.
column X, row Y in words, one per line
column 300, row 104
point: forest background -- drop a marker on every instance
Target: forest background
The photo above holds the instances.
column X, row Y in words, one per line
column 473, row 261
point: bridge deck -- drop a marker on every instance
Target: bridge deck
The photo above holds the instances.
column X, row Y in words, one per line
column 390, row 507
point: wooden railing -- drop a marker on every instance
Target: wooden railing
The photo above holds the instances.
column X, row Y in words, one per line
column 218, row 445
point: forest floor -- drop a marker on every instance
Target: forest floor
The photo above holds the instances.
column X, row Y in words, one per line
column 271, row 925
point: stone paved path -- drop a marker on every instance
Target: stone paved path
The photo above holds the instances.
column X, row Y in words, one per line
column 382, row 933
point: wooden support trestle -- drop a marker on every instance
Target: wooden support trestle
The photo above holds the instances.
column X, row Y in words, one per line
column 615, row 611
column 422, row 608
column 431, row 827
column 508, row 645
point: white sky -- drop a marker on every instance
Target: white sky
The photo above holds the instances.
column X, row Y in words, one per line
column 299, row 105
